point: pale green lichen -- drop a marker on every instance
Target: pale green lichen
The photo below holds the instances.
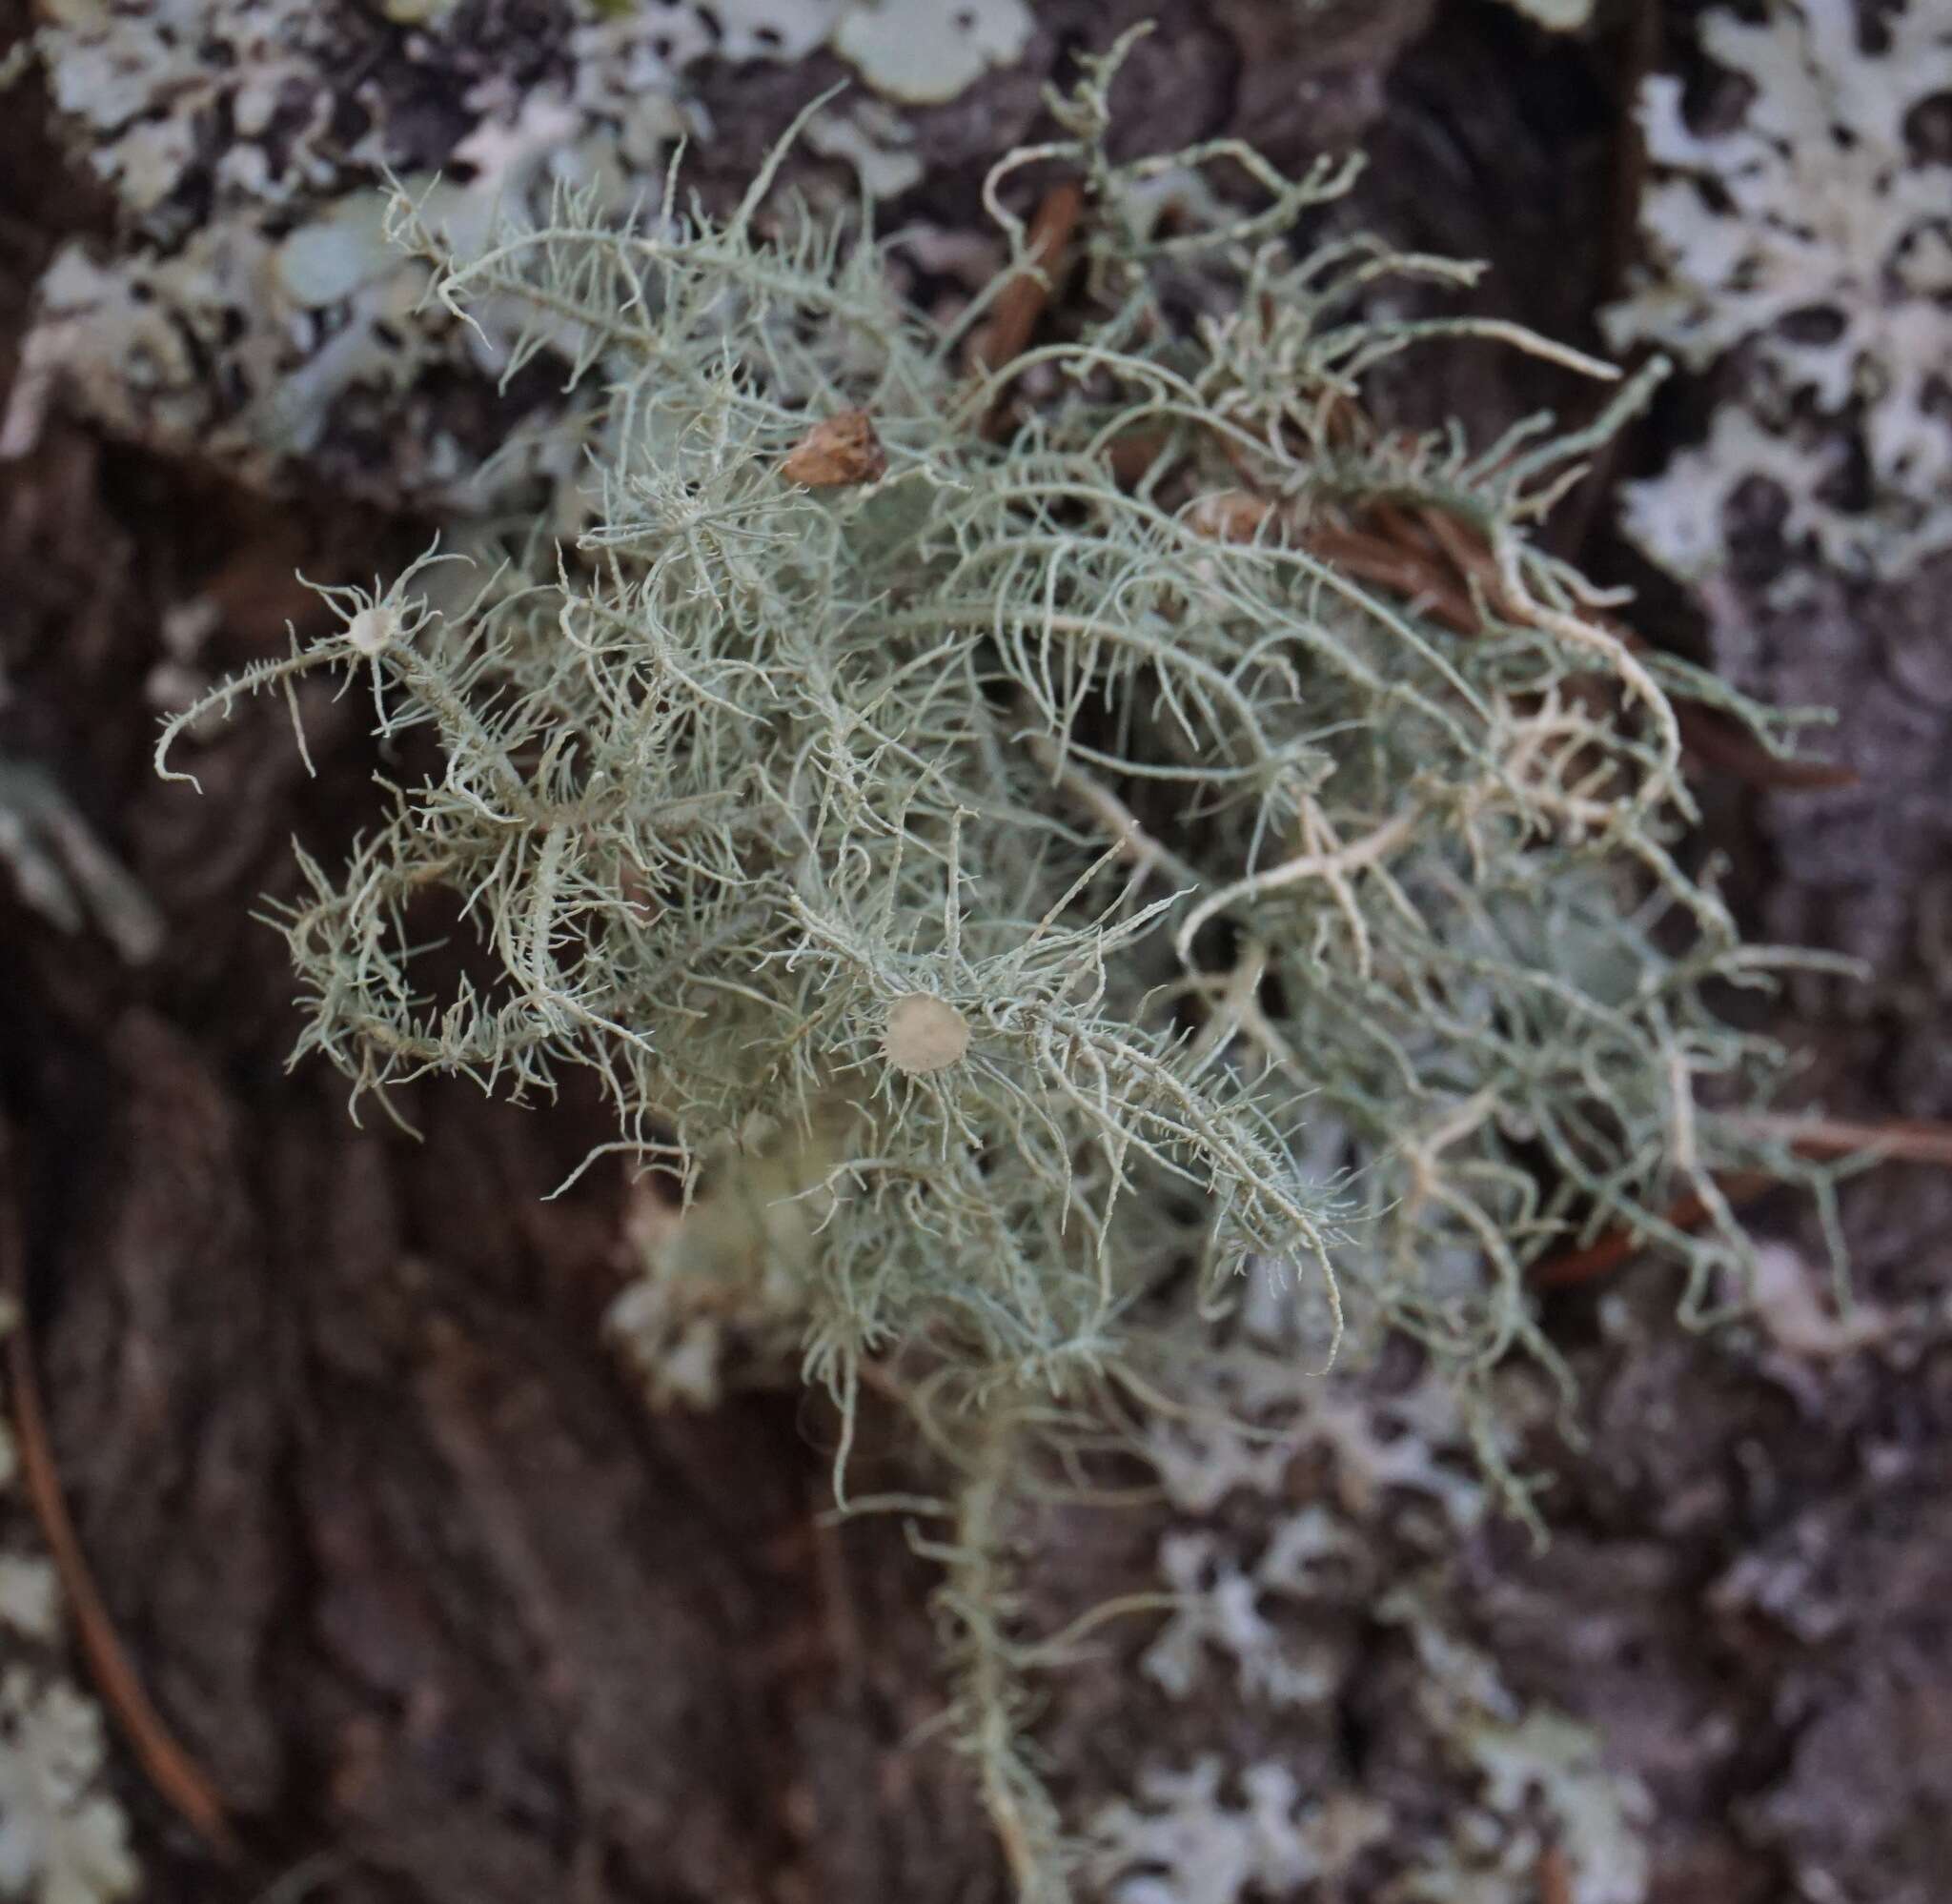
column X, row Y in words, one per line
column 1256, row 921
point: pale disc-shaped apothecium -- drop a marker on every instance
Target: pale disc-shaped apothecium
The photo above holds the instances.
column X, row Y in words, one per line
column 925, row 1034
column 372, row 630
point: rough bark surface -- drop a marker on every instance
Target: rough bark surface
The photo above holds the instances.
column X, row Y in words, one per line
column 401, row 1557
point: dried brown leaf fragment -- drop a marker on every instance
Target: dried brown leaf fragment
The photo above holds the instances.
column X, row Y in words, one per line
column 838, row 450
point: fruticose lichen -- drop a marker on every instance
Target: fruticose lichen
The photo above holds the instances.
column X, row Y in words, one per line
column 1048, row 850
column 1808, row 230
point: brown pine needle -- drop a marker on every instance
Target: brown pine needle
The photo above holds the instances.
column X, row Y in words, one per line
column 1023, row 300
column 1896, row 1140
column 1714, row 740
column 1891, row 1139
column 177, row 1776
column 1572, row 1267
column 1555, row 1876
column 1403, row 571
column 1717, row 742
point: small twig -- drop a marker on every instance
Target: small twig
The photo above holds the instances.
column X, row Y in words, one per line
column 1388, row 565
column 1023, row 300
column 1432, row 560
column 1708, row 734
column 1468, row 556
column 1719, row 742
column 177, row 1776
column 1554, row 1874
column 1895, row 1139
column 1573, row 1267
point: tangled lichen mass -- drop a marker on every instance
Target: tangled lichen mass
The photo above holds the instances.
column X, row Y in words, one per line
column 1066, row 829
column 1076, row 840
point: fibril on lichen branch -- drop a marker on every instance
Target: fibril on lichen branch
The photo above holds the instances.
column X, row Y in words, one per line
column 1013, row 864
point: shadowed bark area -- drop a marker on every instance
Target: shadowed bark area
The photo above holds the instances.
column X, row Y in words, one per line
column 400, row 1557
